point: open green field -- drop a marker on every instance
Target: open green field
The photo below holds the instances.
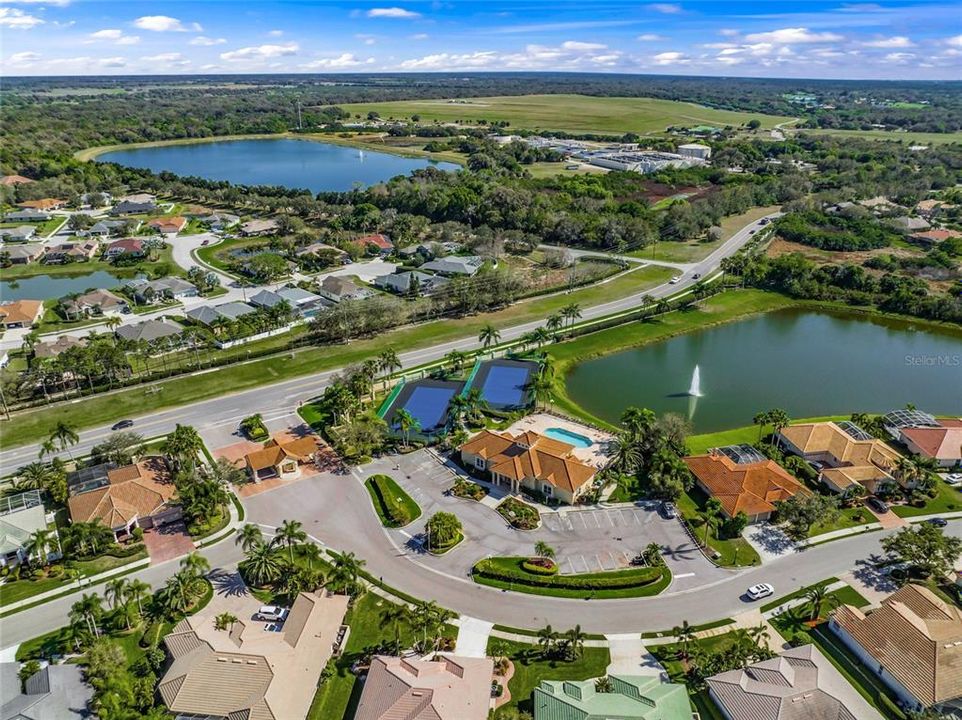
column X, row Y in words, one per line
column 912, row 138
column 573, row 113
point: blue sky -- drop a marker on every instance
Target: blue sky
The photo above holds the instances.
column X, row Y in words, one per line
column 911, row 39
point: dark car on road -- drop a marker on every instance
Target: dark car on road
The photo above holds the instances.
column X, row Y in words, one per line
column 938, row 522
column 668, row 510
column 877, row 505
column 123, row 424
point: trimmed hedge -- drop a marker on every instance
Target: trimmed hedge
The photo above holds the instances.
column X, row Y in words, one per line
column 536, row 569
column 395, row 506
column 616, row 580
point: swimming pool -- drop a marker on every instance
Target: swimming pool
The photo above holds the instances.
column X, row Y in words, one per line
column 504, row 383
column 567, row 436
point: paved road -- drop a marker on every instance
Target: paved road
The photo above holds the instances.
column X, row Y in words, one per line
column 269, row 399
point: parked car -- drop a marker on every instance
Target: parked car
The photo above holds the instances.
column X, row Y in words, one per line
column 272, row 613
column 206, row 242
column 675, row 280
column 877, row 504
column 953, row 479
column 938, row 522
column 638, row 560
column 668, row 510
column 696, row 276
column 122, row 424
column 762, row 590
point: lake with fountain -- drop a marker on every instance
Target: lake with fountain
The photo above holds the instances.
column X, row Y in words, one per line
column 807, row 363
column 316, row 166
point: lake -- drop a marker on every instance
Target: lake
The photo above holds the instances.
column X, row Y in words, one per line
column 317, row 166
column 807, row 363
column 45, row 287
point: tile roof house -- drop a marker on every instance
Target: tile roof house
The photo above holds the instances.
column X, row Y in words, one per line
column 529, row 460
column 24, row 254
column 282, row 457
column 446, row 688
column 381, row 243
column 131, row 247
column 71, row 252
column 219, row 221
column 53, row 348
column 55, row 692
column 19, row 234
column 252, row 671
column 632, row 697
column 259, row 227
column 908, row 224
column 20, row 516
column 168, row 225
column 912, row 642
column 934, row 237
column 150, row 330
column 138, row 495
column 800, row 684
column 28, row 215
column 167, row 288
column 213, row 314
column 323, row 248
column 942, row 444
column 750, row 487
column 105, row 228
column 336, row 288
column 95, row 302
column 403, row 282
column 455, row 265
column 42, row 204
column 133, row 207
column 851, row 456
column 20, row 313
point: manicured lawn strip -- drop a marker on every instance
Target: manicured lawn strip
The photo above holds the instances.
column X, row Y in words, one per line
column 394, row 507
column 534, row 633
column 530, row 669
column 650, row 581
column 695, row 628
column 699, row 444
column 29, row 426
column 848, row 517
column 732, row 552
column 796, row 594
column 947, row 500
column 11, row 592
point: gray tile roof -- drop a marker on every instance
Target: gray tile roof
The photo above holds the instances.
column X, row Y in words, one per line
column 57, row 692
column 455, row 265
column 150, row 330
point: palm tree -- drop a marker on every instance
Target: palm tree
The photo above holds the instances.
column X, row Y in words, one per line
column 39, row 542
column 603, row 685
column 541, row 388
column 761, row 419
column 182, row 446
column 88, row 609
column 779, row 419
column 398, row 614
column 443, row 528
column 571, row 313
column 818, row 597
column 489, row 336
column 388, row 361
column 544, row 550
column 47, row 447
column 115, row 592
column 638, row 422
column 311, row 553
column 546, row 639
column 455, row 359
column 553, row 323
column 684, row 633
column 225, row 621
column 195, row 565
column 713, row 509
column 347, row 568
column 290, row 533
column 576, row 640
column 178, row 592
column 261, row 566
column 137, row 592
column 65, row 436
column 32, row 476
column 626, row 455
column 457, row 410
column 541, row 336
column 406, row 422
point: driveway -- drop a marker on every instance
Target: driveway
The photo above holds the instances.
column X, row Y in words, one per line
column 168, row 542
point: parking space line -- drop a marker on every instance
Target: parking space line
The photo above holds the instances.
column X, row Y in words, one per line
column 597, row 522
column 610, row 521
column 566, row 519
column 571, row 567
column 587, row 569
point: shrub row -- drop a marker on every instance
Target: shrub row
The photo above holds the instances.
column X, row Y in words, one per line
column 536, row 569
column 124, row 551
column 386, row 491
column 620, row 580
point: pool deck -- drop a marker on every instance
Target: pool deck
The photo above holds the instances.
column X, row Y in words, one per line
column 594, row 455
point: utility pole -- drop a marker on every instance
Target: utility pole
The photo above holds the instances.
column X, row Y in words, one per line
column 299, row 114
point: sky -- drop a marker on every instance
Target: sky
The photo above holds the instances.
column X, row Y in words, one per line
column 907, row 39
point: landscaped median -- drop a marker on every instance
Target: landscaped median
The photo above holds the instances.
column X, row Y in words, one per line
column 513, row 573
column 394, row 507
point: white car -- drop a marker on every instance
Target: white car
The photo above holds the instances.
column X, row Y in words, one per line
column 762, row 590
column 675, row 280
column 272, row 613
column 954, row 479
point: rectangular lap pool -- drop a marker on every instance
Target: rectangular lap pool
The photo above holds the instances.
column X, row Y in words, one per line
column 504, row 383
column 427, row 401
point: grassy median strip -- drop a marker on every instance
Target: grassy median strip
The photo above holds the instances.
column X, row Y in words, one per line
column 394, row 507
column 508, row 573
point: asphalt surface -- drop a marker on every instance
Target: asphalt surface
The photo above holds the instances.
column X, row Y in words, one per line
column 270, row 399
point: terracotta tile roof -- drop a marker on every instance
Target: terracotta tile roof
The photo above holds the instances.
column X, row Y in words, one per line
column 943, row 443
column 169, row 224
column 20, row 311
column 936, row 236
column 378, row 240
column 530, row 455
column 871, row 460
column 273, row 452
column 132, row 491
column 917, row 637
column 752, row 488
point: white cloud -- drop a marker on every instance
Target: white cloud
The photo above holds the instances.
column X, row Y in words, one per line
column 419, row 36
column 899, row 58
column 164, row 23
column 167, row 61
column 113, row 35
column 791, row 36
column 366, row 39
column 276, row 33
column 665, row 8
column 575, row 45
column 23, row 59
column 670, row 58
column 260, row 52
column 112, row 62
column 568, row 55
column 207, row 41
column 18, row 19
column 441, row 60
column 392, row 12
column 728, row 32
column 345, row 60
column 955, row 41
column 897, row 41
column 650, row 37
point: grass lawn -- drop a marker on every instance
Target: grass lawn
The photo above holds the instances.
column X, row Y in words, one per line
column 574, row 113
column 530, row 669
column 647, row 589
column 12, row 592
column 796, row 594
column 848, row 517
column 734, row 552
column 394, row 507
column 35, row 424
column 911, row 138
column 795, row 623
column 948, row 499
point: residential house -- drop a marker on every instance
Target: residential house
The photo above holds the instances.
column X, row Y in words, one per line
column 912, row 642
column 259, row 227
column 54, row 692
column 336, row 288
column 844, row 454
column 168, row 225
column 71, row 252
column 282, row 457
column 419, row 251
column 801, row 683
column 934, row 237
column 137, row 495
column 908, row 225
column 374, row 244
column 465, row 265
column 43, row 204
column 131, row 207
column 219, row 221
column 24, row 254
column 106, row 228
column 28, row 215
column 151, row 331
column 20, row 234
column 11, row 180
column 411, row 282
column 128, row 247
column 20, row 313
column 95, row 302
column 21, row 516
column 161, row 290
column 211, row 315
column 323, row 249
column 743, row 480
column 929, row 208
column 941, row 444
column 304, row 303
column 632, row 697
column 53, row 348
column 447, row 687
column 95, row 199
column 252, row 670
column 140, row 197
column 530, row 461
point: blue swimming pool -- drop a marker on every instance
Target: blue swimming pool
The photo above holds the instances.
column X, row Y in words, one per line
column 428, row 405
column 567, row 436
